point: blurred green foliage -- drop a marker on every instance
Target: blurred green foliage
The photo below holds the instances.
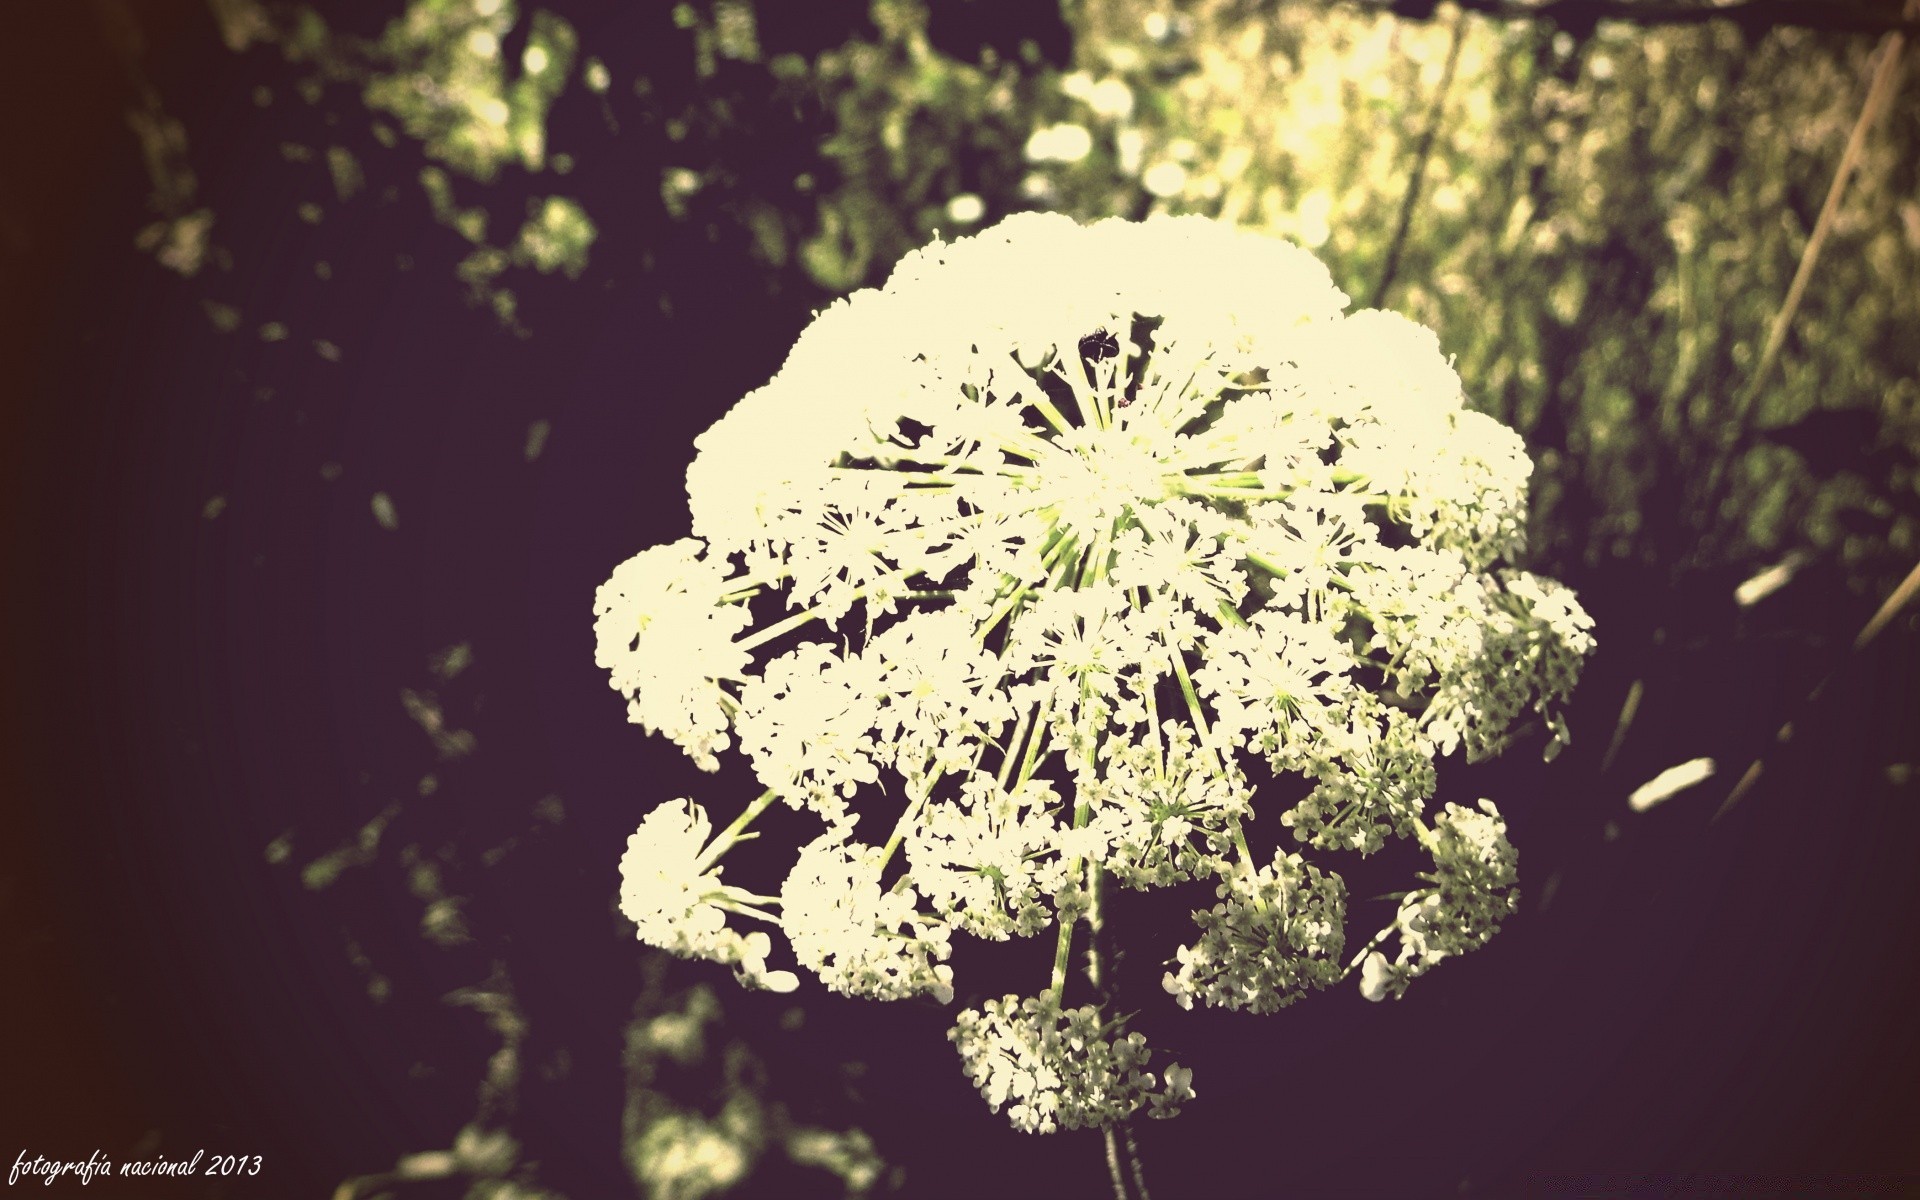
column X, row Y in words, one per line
column 702, row 1111
column 675, row 1048
column 1604, row 226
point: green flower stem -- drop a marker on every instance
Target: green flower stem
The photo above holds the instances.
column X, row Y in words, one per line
column 1133, row 1162
column 1063, row 943
column 1062, row 951
column 1229, row 480
column 923, row 480
column 1066, row 559
column 1367, row 949
column 1004, row 606
column 1113, row 1163
column 1093, row 565
column 763, row 577
column 1153, row 727
column 1240, row 842
column 1042, row 730
column 753, row 583
column 733, row 833
column 789, row 624
column 1266, row 564
column 1010, row 754
column 1025, row 445
column 785, row 625
column 1059, row 546
column 1337, row 822
column 743, row 896
column 1422, row 832
column 1083, row 401
column 747, row 910
column 908, row 817
column 1085, row 398
column 1220, row 492
column 1193, row 707
column 1052, row 416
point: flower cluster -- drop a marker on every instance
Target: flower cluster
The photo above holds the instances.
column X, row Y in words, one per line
column 1030, row 556
column 1470, row 891
column 671, row 890
column 667, row 645
column 1276, row 933
column 861, row 940
column 1059, row 1069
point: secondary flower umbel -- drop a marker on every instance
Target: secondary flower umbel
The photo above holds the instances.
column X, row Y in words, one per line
column 1069, row 525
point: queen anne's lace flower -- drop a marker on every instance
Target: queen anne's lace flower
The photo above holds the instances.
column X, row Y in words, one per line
column 807, row 724
column 1276, row 933
column 980, row 861
column 1469, row 892
column 1163, row 811
column 860, row 939
column 1020, row 564
column 1057, row 1069
column 674, row 896
column 666, row 640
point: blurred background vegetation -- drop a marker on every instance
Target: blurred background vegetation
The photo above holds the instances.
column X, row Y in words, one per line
column 391, row 322
column 1600, row 217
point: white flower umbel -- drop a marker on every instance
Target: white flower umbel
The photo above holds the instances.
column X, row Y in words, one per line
column 666, row 639
column 672, row 892
column 1470, row 891
column 1017, row 566
column 1276, row 933
column 860, row 939
column 1056, row 1069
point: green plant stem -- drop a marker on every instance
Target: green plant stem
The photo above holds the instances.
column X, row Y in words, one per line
column 1050, row 414
column 906, row 820
column 1062, row 951
column 1042, row 731
column 1113, row 1164
column 1015, row 745
column 1133, row 1161
column 1193, row 707
column 732, row 833
column 1367, row 949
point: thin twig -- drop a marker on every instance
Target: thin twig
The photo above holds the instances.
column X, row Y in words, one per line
column 1898, row 599
column 1421, row 154
column 1879, row 92
column 1628, row 710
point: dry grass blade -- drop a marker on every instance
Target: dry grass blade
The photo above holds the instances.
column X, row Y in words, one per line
column 1896, row 600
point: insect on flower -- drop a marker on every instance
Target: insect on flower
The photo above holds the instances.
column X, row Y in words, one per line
column 1099, row 345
